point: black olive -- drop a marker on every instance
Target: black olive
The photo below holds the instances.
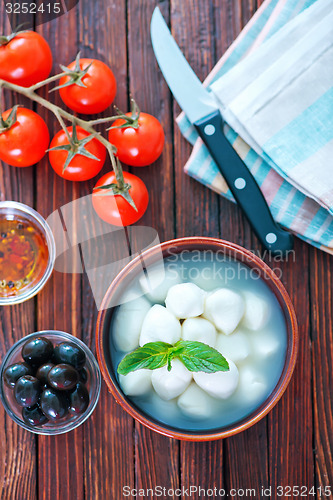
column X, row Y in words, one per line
column 1, row 255
column 16, row 371
column 42, row 372
column 27, row 391
column 63, row 377
column 37, row 351
column 79, row 399
column 83, row 375
column 10, row 284
column 34, row 416
column 70, row 353
column 54, row 404
column 3, row 235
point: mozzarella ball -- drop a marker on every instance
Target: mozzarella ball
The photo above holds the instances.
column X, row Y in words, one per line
column 196, row 403
column 156, row 283
column 136, row 383
column 236, row 346
column 205, row 277
column 170, row 384
column 199, row 330
column 127, row 323
column 224, row 308
column 159, row 325
column 264, row 343
column 185, row 300
column 256, row 312
column 220, row 385
column 252, row 385
column 165, row 411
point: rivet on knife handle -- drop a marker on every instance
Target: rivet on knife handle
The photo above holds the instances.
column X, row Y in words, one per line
column 243, row 185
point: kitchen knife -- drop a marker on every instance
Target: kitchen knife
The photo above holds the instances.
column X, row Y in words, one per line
column 202, row 111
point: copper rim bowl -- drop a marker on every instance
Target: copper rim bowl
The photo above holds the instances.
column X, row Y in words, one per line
column 123, row 280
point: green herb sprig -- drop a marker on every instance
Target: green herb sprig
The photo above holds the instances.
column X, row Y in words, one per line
column 196, row 356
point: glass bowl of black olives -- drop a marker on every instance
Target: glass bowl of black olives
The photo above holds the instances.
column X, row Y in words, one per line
column 50, row 382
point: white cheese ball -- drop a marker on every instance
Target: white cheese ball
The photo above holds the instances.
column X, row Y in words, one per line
column 163, row 409
column 205, row 277
column 220, row 385
column 136, row 383
column 225, row 308
column 199, row 330
column 264, row 343
column 156, row 283
column 159, row 325
column 236, row 346
column 256, row 313
column 185, row 300
column 196, row 403
column 252, row 385
column 170, row 384
column 126, row 327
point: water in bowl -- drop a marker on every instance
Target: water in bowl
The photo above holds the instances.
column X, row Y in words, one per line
column 259, row 353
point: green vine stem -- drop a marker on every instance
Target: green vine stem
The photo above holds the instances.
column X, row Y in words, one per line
column 61, row 113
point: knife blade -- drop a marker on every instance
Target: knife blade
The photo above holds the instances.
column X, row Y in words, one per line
column 202, row 110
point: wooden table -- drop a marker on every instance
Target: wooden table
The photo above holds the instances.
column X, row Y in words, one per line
column 292, row 446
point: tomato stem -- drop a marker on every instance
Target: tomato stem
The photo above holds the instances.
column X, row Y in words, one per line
column 46, row 82
column 61, row 114
column 63, row 126
column 4, row 39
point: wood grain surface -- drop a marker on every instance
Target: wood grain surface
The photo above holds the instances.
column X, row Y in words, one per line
column 292, row 446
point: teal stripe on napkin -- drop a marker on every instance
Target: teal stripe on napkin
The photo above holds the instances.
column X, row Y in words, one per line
column 307, row 140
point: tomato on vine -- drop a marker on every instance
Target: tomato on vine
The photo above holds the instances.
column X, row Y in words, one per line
column 24, row 137
column 113, row 205
column 25, row 58
column 79, row 160
column 90, row 86
column 138, row 137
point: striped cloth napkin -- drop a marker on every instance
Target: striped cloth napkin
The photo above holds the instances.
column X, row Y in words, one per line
column 274, row 87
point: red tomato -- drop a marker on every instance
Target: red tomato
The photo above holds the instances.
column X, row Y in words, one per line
column 99, row 91
column 141, row 146
column 80, row 167
column 26, row 59
column 114, row 209
column 26, row 142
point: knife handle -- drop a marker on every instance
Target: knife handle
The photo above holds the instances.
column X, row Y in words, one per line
column 243, row 185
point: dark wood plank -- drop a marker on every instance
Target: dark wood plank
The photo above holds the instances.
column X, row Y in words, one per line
column 197, row 210
column 156, row 457
column 240, row 472
column 290, row 422
column 321, row 311
column 196, row 207
column 60, row 457
column 18, row 447
column 108, row 434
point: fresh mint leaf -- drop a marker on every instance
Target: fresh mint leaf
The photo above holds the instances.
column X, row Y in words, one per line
column 150, row 356
column 196, row 356
column 199, row 357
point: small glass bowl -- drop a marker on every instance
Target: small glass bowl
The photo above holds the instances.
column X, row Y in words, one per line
column 69, row 422
column 14, row 210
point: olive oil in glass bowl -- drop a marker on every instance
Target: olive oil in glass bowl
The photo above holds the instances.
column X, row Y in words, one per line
column 27, row 252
